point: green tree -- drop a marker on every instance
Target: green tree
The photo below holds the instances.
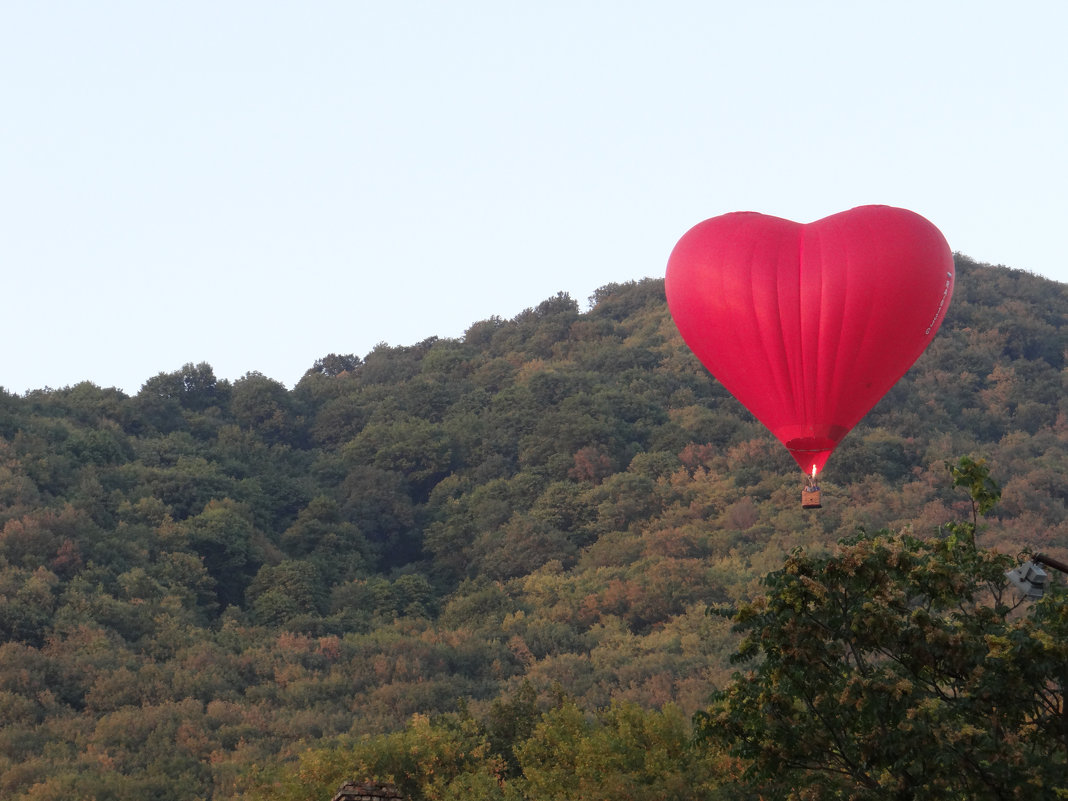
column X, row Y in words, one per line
column 333, row 365
column 378, row 503
column 263, row 405
column 974, row 476
column 281, row 593
column 410, row 447
column 896, row 668
column 165, row 400
column 27, row 603
column 443, row 759
column 224, row 537
column 334, row 545
column 624, row 752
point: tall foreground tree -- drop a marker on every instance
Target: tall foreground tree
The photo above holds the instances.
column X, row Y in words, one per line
column 898, row 668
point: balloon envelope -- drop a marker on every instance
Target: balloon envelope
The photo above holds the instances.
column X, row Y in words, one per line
column 809, row 325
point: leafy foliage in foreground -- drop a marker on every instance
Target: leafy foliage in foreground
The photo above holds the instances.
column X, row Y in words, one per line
column 623, row 751
column 899, row 667
column 207, row 577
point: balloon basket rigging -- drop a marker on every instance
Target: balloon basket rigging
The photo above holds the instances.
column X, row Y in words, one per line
column 810, row 495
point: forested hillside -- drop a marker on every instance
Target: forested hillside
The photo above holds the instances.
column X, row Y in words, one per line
column 522, row 528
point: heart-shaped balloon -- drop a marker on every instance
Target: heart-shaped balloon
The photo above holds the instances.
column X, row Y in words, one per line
column 809, row 325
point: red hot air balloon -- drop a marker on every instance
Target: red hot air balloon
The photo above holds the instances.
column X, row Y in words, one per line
column 809, row 325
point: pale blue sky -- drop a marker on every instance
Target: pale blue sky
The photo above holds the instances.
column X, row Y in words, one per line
column 258, row 184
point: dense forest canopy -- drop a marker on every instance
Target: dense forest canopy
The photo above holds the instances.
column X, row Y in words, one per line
column 521, row 528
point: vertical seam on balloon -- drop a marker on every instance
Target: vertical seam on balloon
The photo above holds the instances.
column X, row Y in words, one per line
column 802, row 398
column 862, row 347
column 780, row 331
column 830, row 388
column 722, row 276
column 769, row 355
column 780, row 336
column 819, row 381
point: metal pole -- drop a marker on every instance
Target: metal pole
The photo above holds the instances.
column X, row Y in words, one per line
column 1051, row 562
